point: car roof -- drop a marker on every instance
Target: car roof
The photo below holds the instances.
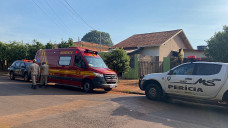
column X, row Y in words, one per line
column 202, row 62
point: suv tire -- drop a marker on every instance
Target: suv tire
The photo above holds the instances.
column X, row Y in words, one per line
column 153, row 92
column 12, row 77
column 26, row 77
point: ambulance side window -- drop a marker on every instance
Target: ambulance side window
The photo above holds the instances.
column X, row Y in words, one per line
column 64, row 60
column 79, row 62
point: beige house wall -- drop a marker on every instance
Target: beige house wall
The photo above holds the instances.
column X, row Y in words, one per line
column 173, row 44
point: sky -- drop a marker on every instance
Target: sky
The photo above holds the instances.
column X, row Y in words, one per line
column 55, row 20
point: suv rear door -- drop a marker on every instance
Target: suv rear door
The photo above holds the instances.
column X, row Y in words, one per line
column 210, row 77
column 17, row 68
column 22, row 69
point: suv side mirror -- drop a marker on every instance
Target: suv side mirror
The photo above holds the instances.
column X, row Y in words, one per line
column 170, row 72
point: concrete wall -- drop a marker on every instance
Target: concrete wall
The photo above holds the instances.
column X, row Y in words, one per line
column 198, row 54
column 150, row 51
column 172, row 45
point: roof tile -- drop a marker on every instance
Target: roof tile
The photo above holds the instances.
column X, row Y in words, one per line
column 148, row 39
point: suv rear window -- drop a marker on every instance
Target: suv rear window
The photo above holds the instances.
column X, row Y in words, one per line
column 208, row 69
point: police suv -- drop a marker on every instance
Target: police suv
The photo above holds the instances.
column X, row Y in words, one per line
column 193, row 80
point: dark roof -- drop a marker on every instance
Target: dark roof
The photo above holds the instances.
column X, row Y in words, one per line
column 149, row 39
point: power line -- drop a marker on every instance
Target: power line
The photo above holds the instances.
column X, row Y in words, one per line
column 48, row 16
column 59, row 18
column 79, row 15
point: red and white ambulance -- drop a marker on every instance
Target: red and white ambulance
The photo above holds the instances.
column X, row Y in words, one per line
column 79, row 67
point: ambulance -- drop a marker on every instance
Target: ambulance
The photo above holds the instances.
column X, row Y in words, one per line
column 79, row 67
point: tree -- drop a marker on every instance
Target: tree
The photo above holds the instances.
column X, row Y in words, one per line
column 217, row 46
column 3, row 55
column 49, row 45
column 94, row 37
column 117, row 60
column 66, row 44
column 32, row 49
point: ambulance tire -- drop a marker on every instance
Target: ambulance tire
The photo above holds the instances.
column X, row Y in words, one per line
column 87, row 86
column 107, row 89
column 153, row 92
column 12, row 77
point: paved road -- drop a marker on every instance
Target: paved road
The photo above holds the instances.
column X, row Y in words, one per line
column 65, row 107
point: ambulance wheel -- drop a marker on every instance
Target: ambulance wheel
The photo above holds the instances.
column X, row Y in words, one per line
column 88, row 86
column 107, row 89
column 26, row 77
column 12, row 77
column 153, row 92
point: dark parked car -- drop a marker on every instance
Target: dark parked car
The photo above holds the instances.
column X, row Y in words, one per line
column 20, row 68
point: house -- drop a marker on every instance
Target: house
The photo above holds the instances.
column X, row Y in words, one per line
column 157, row 44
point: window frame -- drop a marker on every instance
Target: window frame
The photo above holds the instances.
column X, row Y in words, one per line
column 193, row 73
column 197, row 65
column 81, row 63
column 64, row 56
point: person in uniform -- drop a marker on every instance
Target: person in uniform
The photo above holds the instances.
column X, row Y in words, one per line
column 44, row 68
column 34, row 69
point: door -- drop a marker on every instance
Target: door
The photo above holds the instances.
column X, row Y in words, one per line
column 180, row 79
column 79, row 68
column 62, row 73
column 210, row 78
column 22, row 69
column 17, row 68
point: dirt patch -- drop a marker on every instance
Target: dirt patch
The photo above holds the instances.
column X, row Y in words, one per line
column 129, row 87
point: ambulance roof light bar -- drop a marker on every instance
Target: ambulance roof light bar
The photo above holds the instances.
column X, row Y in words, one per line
column 90, row 51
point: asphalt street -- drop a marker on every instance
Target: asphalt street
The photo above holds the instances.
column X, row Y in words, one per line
column 68, row 107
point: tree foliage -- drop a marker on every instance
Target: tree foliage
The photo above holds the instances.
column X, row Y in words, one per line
column 217, row 46
column 12, row 51
column 117, row 60
column 66, row 44
column 49, row 45
column 94, row 37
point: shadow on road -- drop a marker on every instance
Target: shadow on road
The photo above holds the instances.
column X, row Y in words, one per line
column 19, row 87
column 176, row 114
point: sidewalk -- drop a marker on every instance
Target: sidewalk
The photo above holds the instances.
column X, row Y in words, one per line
column 124, row 86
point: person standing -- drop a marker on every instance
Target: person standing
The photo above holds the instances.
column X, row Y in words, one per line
column 44, row 68
column 34, row 69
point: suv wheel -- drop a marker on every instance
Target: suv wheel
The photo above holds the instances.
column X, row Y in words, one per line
column 12, row 77
column 153, row 92
column 87, row 86
column 26, row 77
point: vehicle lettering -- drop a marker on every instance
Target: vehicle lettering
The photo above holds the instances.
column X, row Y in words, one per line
column 66, row 52
column 208, row 82
column 176, row 87
column 200, row 81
